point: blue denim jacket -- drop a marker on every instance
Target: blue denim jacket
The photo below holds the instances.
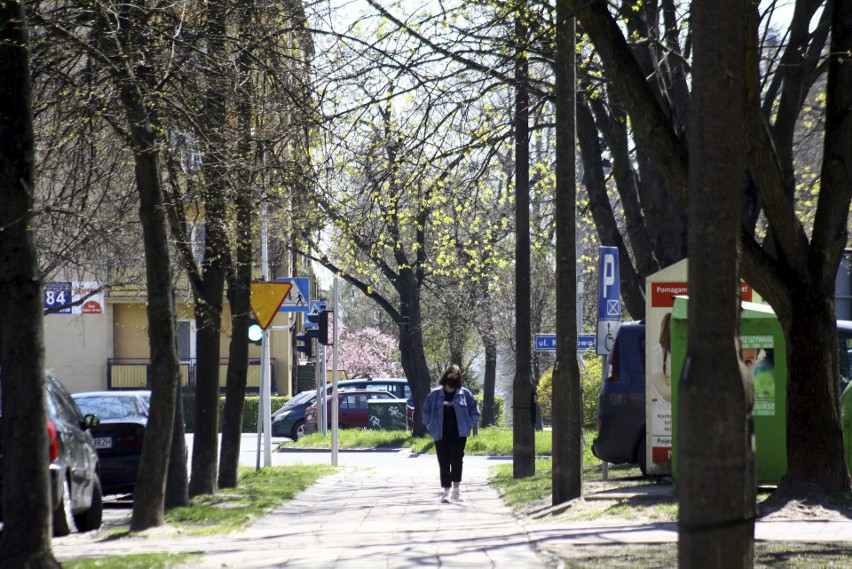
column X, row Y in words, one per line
column 467, row 412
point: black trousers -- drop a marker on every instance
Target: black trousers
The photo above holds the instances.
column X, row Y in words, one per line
column 450, row 455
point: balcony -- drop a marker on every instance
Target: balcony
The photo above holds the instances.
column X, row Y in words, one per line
column 125, row 373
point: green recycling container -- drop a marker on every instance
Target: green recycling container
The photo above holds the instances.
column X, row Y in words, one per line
column 846, row 410
column 764, row 348
column 387, row 414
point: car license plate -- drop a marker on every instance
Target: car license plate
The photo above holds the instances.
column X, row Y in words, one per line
column 103, row 442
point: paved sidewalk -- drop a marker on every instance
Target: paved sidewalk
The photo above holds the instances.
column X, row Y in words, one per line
column 385, row 519
column 388, row 515
column 382, row 510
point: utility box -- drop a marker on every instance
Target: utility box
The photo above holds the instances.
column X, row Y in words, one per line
column 387, row 414
column 763, row 349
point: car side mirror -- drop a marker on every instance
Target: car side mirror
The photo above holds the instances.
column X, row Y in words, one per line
column 90, row 421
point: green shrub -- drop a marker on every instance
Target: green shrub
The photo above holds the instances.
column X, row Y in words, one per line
column 591, row 382
column 249, row 410
column 498, row 408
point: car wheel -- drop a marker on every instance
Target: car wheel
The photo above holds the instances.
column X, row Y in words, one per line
column 91, row 519
column 641, row 457
column 62, row 517
column 298, row 431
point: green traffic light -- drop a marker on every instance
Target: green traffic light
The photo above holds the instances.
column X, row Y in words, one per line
column 255, row 333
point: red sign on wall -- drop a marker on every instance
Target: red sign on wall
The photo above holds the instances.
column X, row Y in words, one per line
column 663, row 294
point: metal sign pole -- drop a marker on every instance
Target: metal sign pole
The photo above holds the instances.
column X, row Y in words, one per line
column 262, row 424
column 265, row 360
column 320, row 389
column 324, row 375
column 334, row 410
column 266, row 399
column 604, row 464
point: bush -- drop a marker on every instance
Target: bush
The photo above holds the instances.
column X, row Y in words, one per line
column 498, row 408
column 591, row 382
column 249, row 410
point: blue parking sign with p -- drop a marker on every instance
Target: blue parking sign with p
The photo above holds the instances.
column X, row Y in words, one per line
column 609, row 287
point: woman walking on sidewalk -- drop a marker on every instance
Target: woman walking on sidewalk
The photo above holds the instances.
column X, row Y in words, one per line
column 450, row 412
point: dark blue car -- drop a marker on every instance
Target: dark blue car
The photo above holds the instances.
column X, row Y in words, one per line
column 621, row 406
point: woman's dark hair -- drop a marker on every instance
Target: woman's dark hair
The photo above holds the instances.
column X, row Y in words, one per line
column 454, row 368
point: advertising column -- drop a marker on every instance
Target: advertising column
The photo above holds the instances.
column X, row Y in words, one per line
column 661, row 288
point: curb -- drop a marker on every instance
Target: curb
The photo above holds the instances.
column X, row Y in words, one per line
column 354, row 450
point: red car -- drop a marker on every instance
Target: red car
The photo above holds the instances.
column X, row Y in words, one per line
column 352, row 409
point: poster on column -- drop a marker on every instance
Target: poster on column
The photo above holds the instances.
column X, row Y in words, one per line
column 757, row 353
column 661, row 288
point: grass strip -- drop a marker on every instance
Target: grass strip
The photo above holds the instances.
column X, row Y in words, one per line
column 137, row 561
column 258, row 492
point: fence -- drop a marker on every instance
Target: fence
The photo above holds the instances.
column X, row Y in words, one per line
column 136, row 374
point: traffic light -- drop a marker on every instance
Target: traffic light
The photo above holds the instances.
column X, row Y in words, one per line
column 305, row 344
column 323, row 327
column 255, row 332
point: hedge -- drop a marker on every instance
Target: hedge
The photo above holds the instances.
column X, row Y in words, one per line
column 249, row 410
column 498, row 408
column 591, row 380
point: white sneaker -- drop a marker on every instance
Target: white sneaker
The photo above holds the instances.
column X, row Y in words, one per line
column 454, row 496
column 445, row 496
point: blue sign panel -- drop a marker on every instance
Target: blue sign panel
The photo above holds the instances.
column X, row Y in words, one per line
column 313, row 310
column 609, row 287
column 57, row 294
column 547, row 342
column 299, row 297
column 585, row 342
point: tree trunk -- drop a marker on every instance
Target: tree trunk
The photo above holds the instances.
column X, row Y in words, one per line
column 567, row 391
column 239, row 291
column 26, row 482
column 132, row 83
column 614, row 130
column 522, row 390
column 813, row 416
column 489, row 381
column 632, row 284
column 209, row 293
column 715, row 469
column 411, row 346
column 456, row 329
column 148, row 503
column 813, row 408
column 206, row 436
column 177, row 478
column 239, row 271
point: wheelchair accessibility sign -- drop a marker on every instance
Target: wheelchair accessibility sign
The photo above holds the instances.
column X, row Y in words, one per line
column 609, row 300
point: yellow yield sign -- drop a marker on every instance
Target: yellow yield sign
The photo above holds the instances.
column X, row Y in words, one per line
column 266, row 299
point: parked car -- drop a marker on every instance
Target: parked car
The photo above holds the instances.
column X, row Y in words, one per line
column 397, row 386
column 75, row 487
column 352, row 409
column 118, row 438
column 621, row 405
column 289, row 420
